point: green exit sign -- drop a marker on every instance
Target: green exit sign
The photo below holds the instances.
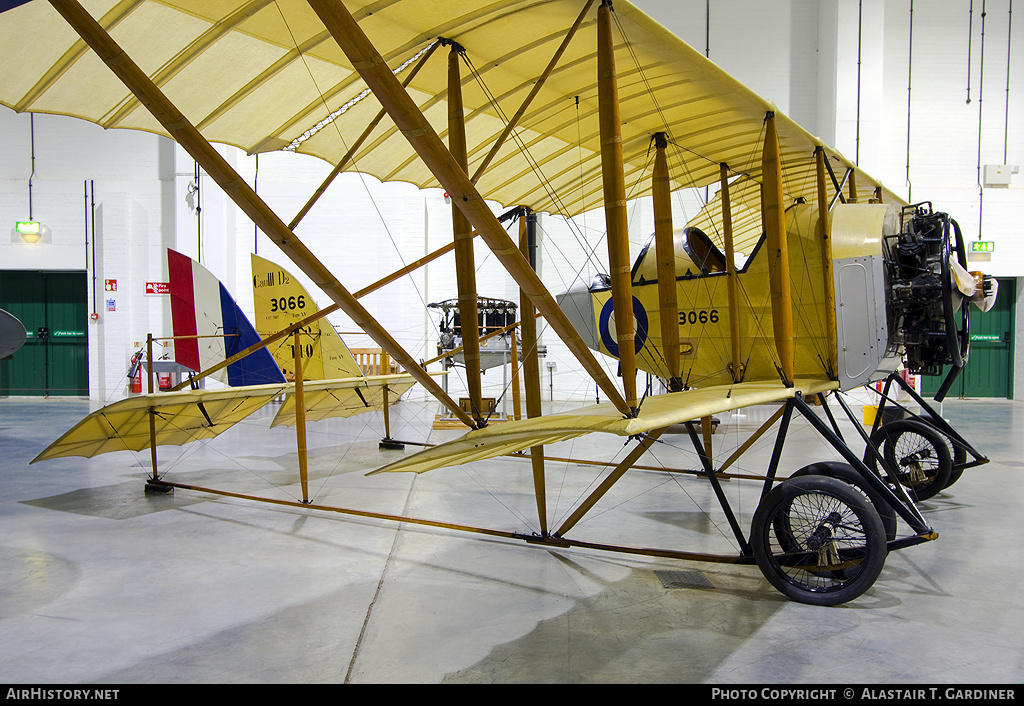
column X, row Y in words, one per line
column 28, row 227
column 983, row 246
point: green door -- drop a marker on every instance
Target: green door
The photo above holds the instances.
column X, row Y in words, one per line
column 53, row 308
column 989, row 369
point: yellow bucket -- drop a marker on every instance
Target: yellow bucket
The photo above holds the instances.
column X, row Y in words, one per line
column 870, row 411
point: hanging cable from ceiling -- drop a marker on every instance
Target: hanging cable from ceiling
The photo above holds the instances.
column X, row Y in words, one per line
column 981, row 87
column 910, row 74
column 860, row 44
column 32, row 142
column 970, row 37
column 1006, row 110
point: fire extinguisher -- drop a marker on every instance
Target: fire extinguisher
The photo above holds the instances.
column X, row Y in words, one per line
column 163, row 379
column 135, row 373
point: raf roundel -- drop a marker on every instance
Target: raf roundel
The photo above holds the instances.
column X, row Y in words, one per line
column 606, row 324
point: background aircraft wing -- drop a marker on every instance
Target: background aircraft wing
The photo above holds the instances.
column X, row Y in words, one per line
column 657, row 412
column 181, row 417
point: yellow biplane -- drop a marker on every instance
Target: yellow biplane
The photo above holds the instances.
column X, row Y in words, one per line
column 842, row 283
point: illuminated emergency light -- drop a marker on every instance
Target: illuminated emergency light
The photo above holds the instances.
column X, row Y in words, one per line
column 30, row 231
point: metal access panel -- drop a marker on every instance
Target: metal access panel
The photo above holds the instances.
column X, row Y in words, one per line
column 53, row 307
column 861, row 325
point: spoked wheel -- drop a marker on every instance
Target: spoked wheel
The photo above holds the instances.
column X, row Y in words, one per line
column 818, row 540
column 956, row 452
column 848, row 474
column 918, row 454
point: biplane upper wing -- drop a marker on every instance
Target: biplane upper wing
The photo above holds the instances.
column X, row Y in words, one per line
column 268, row 76
column 658, row 412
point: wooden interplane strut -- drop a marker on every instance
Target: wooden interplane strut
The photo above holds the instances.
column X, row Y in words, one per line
column 465, row 267
column 531, row 373
column 300, row 418
column 773, row 211
column 616, row 219
column 665, row 249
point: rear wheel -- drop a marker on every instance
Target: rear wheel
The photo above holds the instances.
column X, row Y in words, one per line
column 818, row 541
column 918, row 455
column 957, row 452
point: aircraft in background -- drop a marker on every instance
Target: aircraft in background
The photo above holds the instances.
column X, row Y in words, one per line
column 567, row 102
column 12, row 334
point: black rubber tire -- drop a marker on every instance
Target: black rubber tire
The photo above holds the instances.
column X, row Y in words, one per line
column 956, row 452
column 848, row 474
column 797, row 524
column 918, row 454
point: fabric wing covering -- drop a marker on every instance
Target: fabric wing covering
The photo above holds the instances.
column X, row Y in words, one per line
column 658, row 412
column 265, row 76
column 191, row 415
column 343, row 398
column 180, row 417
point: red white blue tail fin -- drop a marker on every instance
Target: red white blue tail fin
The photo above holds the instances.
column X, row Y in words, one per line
column 214, row 326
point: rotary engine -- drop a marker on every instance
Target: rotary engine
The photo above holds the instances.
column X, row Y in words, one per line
column 927, row 312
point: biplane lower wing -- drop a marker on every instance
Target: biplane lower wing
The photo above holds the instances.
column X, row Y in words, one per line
column 179, row 417
column 657, row 412
column 344, row 398
column 192, row 415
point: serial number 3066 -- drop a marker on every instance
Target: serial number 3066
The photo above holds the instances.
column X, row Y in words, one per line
column 288, row 303
column 698, row 316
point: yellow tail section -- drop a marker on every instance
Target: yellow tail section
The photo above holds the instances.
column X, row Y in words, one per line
column 281, row 301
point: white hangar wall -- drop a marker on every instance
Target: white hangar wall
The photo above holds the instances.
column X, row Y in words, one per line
column 842, row 69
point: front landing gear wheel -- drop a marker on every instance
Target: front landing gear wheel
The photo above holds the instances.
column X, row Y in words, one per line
column 918, row 455
column 818, row 541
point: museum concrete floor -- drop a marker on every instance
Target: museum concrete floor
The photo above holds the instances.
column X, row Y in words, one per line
column 103, row 583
